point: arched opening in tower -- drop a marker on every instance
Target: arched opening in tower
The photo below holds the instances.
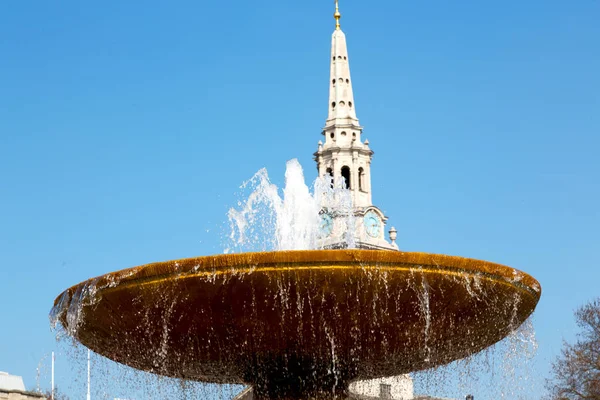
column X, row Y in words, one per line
column 361, row 179
column 346, row 176
column 329, row 176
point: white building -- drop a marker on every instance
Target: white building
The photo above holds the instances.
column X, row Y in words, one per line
column 394, row 387
column 346, row 158
column 13, row 388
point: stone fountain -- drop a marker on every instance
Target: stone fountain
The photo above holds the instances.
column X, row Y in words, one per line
column 304, row 324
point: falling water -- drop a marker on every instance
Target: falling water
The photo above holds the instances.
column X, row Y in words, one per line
column 502, row 371
column 111, row 380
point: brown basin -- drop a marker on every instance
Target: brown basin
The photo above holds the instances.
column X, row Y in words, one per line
column 297, row 324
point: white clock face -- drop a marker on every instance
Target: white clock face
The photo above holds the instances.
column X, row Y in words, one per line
column 372, row 224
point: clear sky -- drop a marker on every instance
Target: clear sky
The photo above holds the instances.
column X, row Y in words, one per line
column 126, row 128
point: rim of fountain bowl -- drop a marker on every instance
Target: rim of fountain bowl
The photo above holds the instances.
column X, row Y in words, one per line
column 312, row 260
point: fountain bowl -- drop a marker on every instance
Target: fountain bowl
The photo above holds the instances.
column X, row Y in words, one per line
column 297, row 324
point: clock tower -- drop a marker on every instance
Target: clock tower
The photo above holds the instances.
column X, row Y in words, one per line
column 346, row 159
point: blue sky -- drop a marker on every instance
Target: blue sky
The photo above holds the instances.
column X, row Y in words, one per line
column 126, row 130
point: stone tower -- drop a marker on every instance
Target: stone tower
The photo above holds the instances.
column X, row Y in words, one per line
column 346, row 159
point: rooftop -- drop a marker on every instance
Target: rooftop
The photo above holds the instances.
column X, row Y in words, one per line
column 11, row 382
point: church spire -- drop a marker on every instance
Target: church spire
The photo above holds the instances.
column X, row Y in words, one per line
column 346, row 159
column 344, row 155
column 341, row 97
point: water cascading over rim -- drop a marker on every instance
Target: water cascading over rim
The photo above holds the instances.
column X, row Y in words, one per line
column 297, row 324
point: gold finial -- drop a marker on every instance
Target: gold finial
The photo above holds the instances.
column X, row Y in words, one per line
column 337, row 15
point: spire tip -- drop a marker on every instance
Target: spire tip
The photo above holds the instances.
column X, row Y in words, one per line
column 337, row 15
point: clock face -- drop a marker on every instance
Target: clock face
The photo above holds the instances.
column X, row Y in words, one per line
column 372, row 224
column 326, row 225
